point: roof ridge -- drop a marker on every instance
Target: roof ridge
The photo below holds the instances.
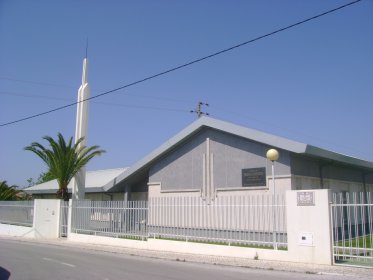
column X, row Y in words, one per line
column 108, row 169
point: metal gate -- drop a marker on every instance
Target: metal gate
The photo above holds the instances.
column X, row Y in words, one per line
column 64, row 214
column 352, row 222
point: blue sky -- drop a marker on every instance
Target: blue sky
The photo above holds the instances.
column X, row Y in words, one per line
column 312, row 83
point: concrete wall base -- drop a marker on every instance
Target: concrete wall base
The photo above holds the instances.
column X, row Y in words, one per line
column 184, row 247
column 110, row 241
column 17, row 231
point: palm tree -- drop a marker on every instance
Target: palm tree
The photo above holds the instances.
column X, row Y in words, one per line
column 63, row 159
column 9, row 192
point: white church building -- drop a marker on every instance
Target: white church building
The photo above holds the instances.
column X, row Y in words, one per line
column 211, row 158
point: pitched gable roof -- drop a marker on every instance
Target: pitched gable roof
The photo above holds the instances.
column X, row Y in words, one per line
column 248, row 133
column 94, row 182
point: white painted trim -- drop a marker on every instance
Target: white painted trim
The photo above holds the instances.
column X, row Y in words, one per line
column 179, row 191
column 208, row 167
column 242, row 189
column 173, row 190
column 204, row 176
column 154, row 184
column 280, row 176
column 212, row 187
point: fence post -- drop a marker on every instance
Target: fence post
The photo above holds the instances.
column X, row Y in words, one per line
column 69, row 217
column 309, row 226
column 34, row 216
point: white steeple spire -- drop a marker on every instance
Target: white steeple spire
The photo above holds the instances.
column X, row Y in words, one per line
column 81, row 129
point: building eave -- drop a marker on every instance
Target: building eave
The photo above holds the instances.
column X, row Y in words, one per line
column 337, row 157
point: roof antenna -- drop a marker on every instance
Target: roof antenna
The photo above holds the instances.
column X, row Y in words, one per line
column 198, row 110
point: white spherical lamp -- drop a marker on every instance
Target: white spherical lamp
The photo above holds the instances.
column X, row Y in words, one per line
column 272, row 154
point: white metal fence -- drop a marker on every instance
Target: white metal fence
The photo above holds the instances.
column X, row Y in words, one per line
column 352, row 228
column 248, row 220
column 17, row 212
column 124, row 219
column 256, row 220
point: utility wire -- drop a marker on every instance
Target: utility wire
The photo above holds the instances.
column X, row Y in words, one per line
column 294, row 132
column 103, row 103
column 35, row 83
column 140, row 96
column 185, row 65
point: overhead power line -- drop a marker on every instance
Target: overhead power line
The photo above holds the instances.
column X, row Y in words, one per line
column 105, row 103
column 185, row 64
column 139, row 96
column 35, row 83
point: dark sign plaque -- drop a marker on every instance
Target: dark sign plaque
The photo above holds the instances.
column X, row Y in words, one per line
column 253, row 177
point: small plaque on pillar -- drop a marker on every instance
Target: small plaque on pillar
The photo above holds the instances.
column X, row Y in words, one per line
column 305, row 198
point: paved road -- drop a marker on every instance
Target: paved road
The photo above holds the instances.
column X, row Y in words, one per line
column 29, row 261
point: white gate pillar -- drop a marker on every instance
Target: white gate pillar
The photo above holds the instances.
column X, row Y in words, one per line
column 47, row 218
column 309, row 226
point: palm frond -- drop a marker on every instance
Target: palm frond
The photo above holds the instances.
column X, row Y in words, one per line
column 8, row 192
column 63, row 158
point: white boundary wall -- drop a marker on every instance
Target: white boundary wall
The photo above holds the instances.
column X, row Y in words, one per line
column 184, row 247
column 17, row 231
column 45, row 224
column 308, row 229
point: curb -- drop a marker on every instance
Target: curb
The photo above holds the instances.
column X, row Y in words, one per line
column 353, row 272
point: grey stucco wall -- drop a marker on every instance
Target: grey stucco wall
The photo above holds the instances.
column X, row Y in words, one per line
column 232, row 154
column 310, row 167
column 304, row 166
column 140, row 185
column 183, row 168
column 369, row 178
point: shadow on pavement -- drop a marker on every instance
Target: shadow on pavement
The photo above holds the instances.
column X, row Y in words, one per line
column 4, row 274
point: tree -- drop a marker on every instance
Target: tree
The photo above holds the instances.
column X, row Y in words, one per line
column 63, row 159
column 10, row 192
column 43, row 177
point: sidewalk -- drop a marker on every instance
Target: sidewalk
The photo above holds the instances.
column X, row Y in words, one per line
column 354, row 272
